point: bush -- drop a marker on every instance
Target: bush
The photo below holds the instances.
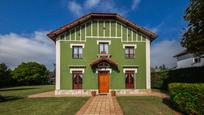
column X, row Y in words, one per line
column 188, row 97
column 158, row 78
column 161, row 79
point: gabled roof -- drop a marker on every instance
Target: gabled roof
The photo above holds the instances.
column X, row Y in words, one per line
column 89, row 16
column 181, row 53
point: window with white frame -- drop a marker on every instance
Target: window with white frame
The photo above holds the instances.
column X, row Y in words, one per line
column 77, row 52
column 129, row 50
column 103, row 48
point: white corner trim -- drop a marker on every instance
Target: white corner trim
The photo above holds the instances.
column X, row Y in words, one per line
column 148, row 75
column 57, row 80
column 76, row 69
column 129, row 45
column 108, row 69
column 71, row 45
column 104, row 41
column 130, row 69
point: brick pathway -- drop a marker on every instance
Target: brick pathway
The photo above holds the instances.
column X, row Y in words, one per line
column 101, row 105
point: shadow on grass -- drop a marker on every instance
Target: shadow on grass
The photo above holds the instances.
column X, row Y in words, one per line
column 13, row 89
column 9, row 98
column 170, row 104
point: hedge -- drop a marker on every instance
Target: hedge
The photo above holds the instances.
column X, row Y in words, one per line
column 161, row 79
column 188, row 97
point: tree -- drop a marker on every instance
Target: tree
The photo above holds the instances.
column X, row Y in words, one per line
column 30, row 73
column 5, row 75
column 193, row 38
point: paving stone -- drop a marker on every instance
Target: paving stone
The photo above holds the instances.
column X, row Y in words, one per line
column 101, row 105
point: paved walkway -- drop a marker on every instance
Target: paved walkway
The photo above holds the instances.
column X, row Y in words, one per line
column 101, row 105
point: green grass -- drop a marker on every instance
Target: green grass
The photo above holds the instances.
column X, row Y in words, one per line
column 17, row 103
column 144, row 106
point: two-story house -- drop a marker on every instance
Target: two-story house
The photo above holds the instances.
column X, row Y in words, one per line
column 102, row 52
column 186, row 60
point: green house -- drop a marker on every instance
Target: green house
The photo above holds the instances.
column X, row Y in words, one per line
column 102, row 52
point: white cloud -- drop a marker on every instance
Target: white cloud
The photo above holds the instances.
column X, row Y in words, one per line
column 157, row 28
column 75, row 8
column 17, row 48
column 163, row 52
column 79, row 9
column 91, row 3
column 135, row 4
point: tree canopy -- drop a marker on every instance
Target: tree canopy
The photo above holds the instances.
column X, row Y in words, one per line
column 5, row 75
column 30, row 73
column 193, row 38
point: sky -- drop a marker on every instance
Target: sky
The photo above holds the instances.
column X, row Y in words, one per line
column 24, row 25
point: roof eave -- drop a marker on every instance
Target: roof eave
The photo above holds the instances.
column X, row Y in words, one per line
column 52, row 35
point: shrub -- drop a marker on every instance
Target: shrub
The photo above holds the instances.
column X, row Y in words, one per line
column 188, row 97
column 185, row 75
column 158, row 78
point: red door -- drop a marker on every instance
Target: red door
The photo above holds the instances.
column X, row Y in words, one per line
column 129, row 80
column 103, row 81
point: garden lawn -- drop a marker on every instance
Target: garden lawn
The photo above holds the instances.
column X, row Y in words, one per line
column 147, row 105
column 16, row 102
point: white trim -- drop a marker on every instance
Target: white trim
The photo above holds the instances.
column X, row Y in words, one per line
column 75, row 33
column 116, row 34
column 132, row 45
column 101, row 37
column 97, row 22
column 71, row 45
column 127, row 32
column 57, row 80
column 76, row 69
column 103, row 28
column 148, row 75
column 102, row 69
column 132, row 36
column 91, row 28
column 110, row 28
column 136, row 35
column 80, row 33
column 85, row 29
column 130, row 69
column 104, row 41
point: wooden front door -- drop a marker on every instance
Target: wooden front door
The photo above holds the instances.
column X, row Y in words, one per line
column 103, row 81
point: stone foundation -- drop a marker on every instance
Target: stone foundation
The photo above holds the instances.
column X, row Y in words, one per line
column 87, row 92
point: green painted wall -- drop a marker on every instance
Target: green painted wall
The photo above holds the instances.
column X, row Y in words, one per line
column 106, row 29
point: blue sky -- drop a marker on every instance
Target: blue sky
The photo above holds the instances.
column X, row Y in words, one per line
column 29, row 21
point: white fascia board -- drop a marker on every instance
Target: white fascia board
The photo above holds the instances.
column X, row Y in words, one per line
column 71, row 45
column 130, row 69
column 76, row 69
column 129, row 45
column 104, row 41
